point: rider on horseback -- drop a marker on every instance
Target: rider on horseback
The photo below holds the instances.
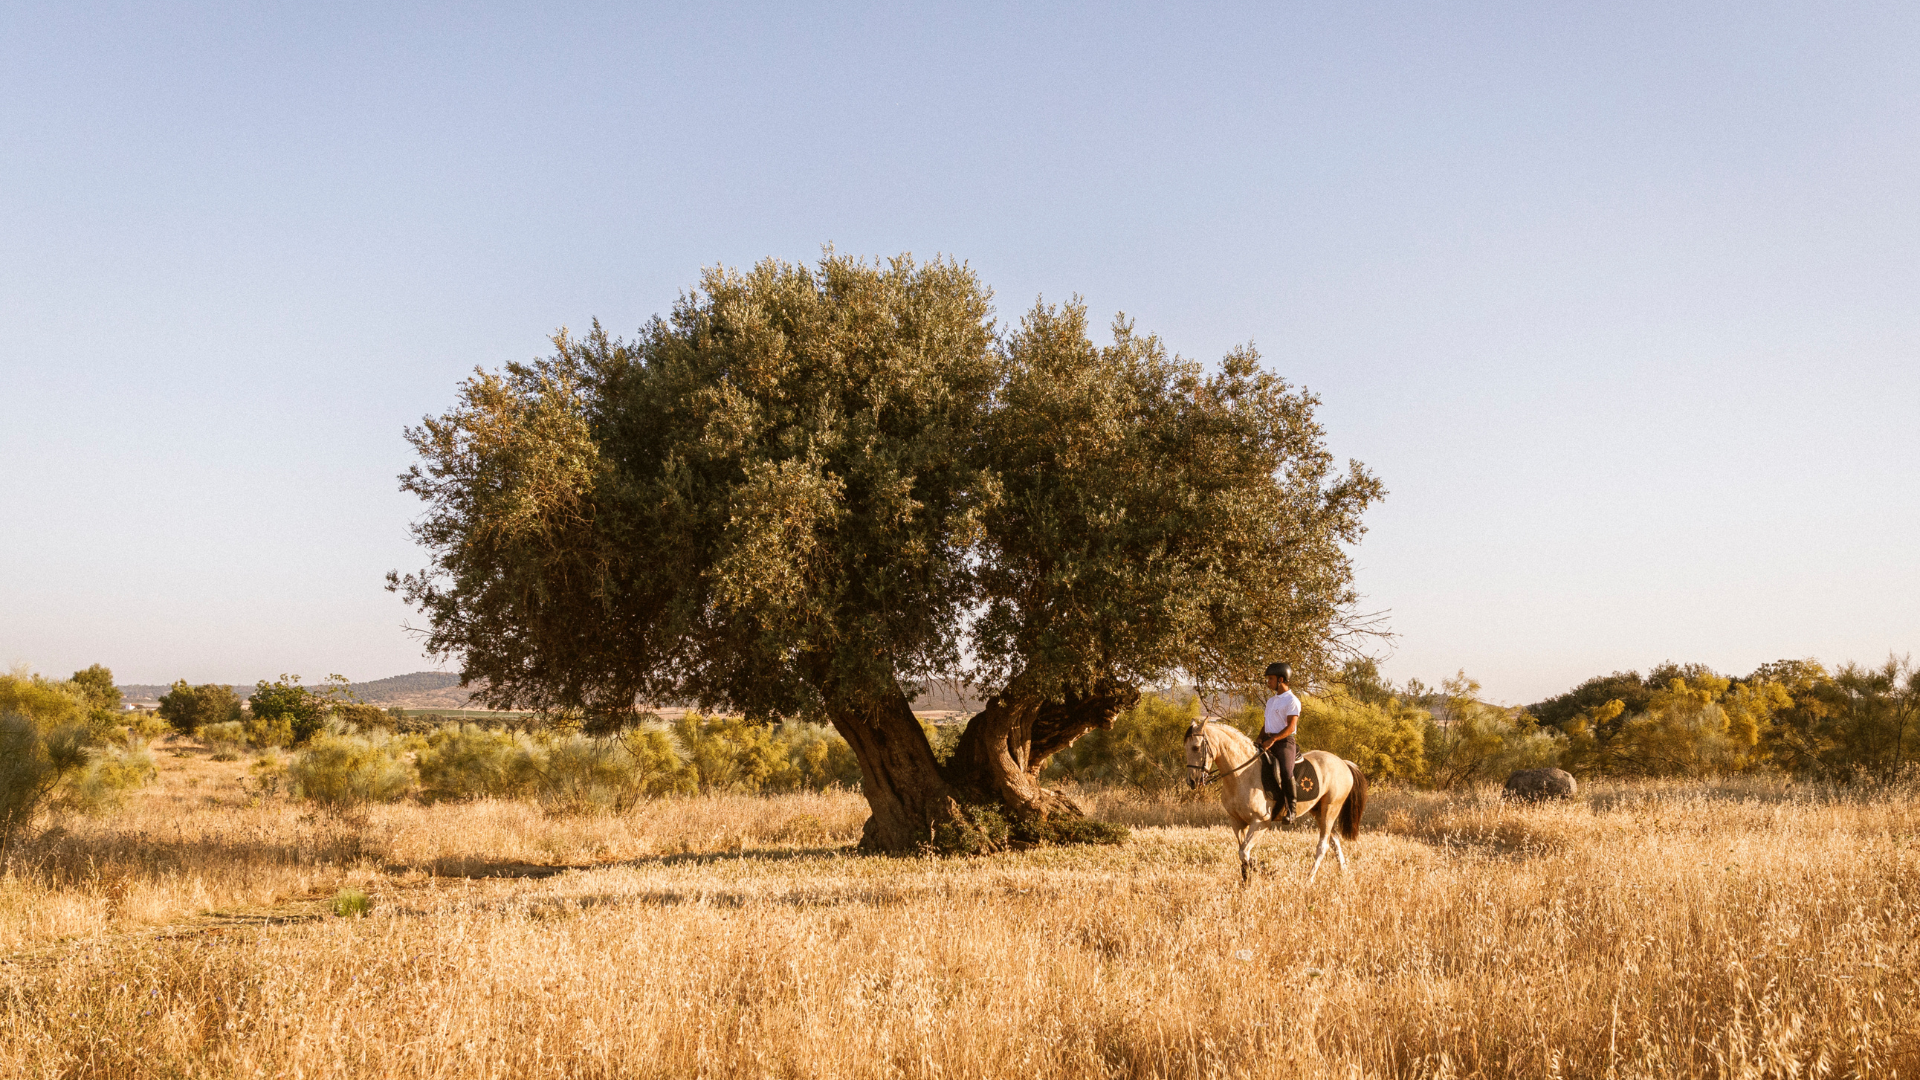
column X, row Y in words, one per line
column 1278, row 747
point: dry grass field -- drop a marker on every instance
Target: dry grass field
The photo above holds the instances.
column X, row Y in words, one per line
column 1745, row 929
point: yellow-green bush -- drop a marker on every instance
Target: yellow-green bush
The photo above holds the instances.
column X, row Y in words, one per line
column 224, row 739
column 468, row 762
column 581, row 774
column 52, row 735
column 1468, row 740
column 110, row 773
column 344, row 770
column 730, row 753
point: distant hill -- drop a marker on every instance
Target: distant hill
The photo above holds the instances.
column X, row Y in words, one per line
column 420, row 690
column 441, row 690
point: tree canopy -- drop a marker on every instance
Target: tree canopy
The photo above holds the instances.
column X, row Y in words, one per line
column 806, row 489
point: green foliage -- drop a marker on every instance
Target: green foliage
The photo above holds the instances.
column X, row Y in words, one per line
column 362, row 716
column 975, row 830
column 225, row 740
column 467, row 762
column 982, row 830
column 351, row 903
column 348, row 770
column 189, row 708
column 109, row 775
column 1859, row 720
column 51, row 748
column 284, row 713
column 582, row 774
column 564, row 771
column 731, row 753
column 95, row 687
column 47, row 703
column 1150, row 518
column 1143, row 749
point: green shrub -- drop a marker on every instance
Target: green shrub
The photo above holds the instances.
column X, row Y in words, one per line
column 576, row 773
column 225, row 740
column 364, row 717
column 467, row 762
column 567, row 771
column 190, row 708
column 351, row 903
column 819, row 758
column 50, row 732
column 33, row 762
column 731, row 753
column 284, row 712
column 110, row 773
column 347, row 770
column 1468, row 740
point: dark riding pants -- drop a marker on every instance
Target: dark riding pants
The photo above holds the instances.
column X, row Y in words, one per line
column 1276, row 769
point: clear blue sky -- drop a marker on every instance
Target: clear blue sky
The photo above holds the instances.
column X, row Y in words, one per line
column 1622, row 301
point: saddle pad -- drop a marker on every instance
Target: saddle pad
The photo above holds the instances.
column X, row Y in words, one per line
column 1306, row 781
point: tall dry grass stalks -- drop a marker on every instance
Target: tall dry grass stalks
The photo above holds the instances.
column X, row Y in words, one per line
column 1646, row 930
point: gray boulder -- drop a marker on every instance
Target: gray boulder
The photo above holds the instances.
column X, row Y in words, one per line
column 1536, row 785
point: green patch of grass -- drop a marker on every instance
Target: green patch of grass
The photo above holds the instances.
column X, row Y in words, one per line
column 351, row 903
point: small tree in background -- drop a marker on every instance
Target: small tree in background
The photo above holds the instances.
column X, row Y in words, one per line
column 1468, row 740
column 285, row 713
column 190, row 708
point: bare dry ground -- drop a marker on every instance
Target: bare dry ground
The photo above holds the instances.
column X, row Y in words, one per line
column 1739, row 929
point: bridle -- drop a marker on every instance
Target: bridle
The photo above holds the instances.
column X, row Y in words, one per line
column 1208, row 774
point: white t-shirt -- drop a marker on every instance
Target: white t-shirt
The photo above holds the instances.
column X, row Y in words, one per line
column 1279, row 707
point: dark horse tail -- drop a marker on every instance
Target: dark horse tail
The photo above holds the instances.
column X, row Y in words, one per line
column 1355, row 805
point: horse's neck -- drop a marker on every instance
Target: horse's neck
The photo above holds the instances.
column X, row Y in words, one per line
column 1230, row 748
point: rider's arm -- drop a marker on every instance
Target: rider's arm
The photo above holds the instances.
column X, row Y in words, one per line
column 1292, row 723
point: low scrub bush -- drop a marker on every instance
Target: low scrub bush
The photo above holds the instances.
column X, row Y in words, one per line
column 731, row 753
column 567, row 772
column 1469, row 741
column 109, row 775
column 581, row 774
column 56, row 741
column 226, row 740
column 347, row 770
column 468, row 762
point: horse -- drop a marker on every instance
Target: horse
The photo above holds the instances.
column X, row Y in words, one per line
column 1217, row 751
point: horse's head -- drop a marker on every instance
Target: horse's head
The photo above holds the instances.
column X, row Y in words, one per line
column 1199, row 754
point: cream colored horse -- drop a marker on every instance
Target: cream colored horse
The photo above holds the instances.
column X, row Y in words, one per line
column 1217, row 751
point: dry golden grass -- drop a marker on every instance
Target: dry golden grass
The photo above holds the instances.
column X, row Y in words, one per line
column 1724, row 930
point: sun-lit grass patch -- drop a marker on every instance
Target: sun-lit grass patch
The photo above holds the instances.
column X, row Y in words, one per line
column 1653, row 929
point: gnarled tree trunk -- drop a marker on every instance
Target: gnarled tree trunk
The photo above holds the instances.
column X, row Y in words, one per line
column 997, row 763
column 898, row 774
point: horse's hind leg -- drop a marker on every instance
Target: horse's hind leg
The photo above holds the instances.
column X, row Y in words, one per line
column 1319, row 853
column 1339, row 852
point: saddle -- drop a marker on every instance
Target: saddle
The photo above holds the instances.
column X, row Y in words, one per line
column 1306, row 783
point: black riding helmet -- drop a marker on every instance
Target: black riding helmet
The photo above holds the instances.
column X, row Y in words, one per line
column 1283, row 671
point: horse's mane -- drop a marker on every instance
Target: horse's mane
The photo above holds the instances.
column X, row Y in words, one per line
column 1226, row 733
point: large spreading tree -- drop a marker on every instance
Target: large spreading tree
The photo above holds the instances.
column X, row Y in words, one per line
column 809, row 490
